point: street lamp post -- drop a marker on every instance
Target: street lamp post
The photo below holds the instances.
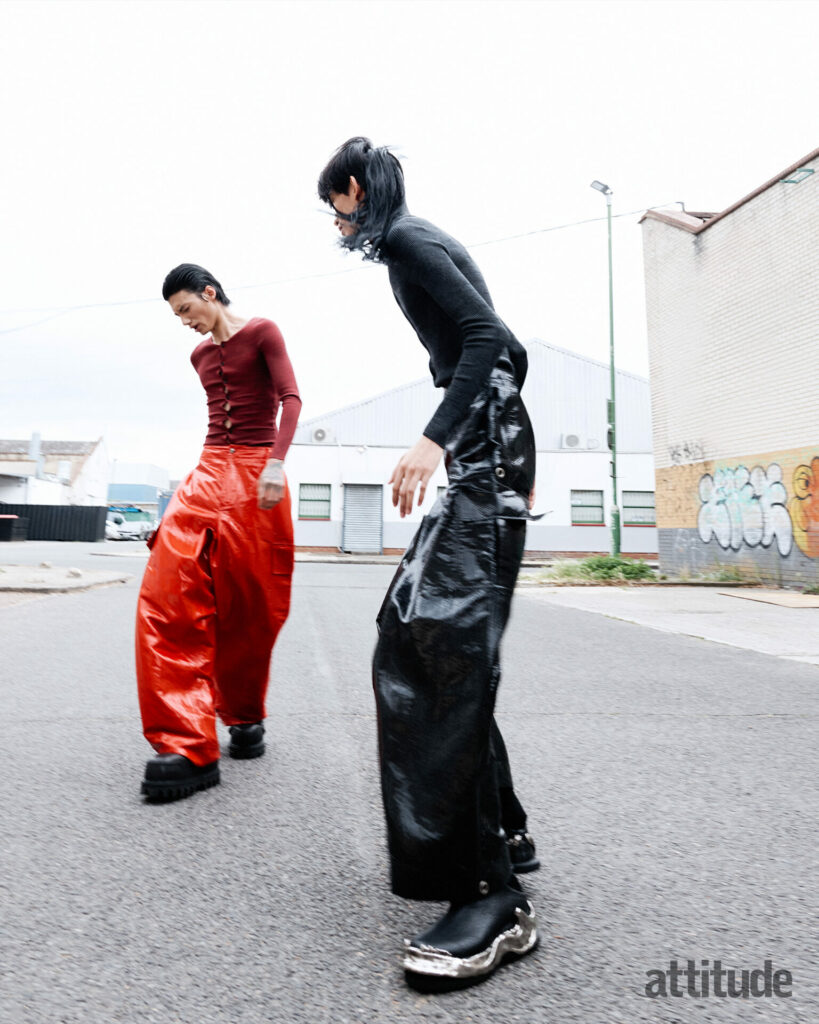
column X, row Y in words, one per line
column 611, row 407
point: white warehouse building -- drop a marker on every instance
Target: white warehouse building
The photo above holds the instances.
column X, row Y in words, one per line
column 339, row 463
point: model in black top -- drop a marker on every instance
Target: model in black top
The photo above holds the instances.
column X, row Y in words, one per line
column 455, row 828
column 444, row 296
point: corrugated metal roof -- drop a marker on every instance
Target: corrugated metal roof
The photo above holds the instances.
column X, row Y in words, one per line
column 565, row 393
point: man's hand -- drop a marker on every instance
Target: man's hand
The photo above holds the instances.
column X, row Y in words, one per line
column 532, row 498
column 271, row 484
column 414, row 468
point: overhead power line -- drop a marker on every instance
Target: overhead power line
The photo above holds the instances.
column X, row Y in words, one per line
column 52, row 312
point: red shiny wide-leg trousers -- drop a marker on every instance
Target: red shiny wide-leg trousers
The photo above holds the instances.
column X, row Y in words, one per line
column 215, row 594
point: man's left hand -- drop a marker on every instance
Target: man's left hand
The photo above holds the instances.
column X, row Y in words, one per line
column 414, row 468
column 271, row 484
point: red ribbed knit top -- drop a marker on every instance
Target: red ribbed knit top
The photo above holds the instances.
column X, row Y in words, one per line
column 246, row 379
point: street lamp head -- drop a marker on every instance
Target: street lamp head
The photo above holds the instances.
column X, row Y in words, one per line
column 602, row 188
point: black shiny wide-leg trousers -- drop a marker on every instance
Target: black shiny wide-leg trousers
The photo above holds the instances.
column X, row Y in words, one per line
column 436, row 665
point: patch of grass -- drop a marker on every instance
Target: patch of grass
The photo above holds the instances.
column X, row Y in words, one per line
column 570, row 570
column 612, row 567
column 811, row 590
column 728, row 574
column 597, row 569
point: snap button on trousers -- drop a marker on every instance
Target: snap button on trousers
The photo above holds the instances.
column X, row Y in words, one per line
column 215, row 594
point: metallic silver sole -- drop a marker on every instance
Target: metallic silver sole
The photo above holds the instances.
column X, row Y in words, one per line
column 438, row 963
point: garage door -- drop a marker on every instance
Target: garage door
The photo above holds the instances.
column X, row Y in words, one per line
column 363, row 518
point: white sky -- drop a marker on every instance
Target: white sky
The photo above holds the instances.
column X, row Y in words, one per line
column 138, row 135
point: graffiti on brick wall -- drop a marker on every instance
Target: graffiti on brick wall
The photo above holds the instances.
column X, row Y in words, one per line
column 687, row 451
column 804, row 508
column 745, row 507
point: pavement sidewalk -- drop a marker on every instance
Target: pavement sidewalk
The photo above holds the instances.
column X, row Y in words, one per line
column 49, row 579
column 775, row 622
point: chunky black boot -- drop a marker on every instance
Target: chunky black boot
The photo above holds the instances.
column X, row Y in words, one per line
column 471, row 941
column 173, row 776
column 246, row 741
column 522, row 851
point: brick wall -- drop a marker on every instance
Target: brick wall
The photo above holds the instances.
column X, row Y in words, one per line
column 733, row 328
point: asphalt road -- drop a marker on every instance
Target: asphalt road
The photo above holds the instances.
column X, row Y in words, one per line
column 671, row 785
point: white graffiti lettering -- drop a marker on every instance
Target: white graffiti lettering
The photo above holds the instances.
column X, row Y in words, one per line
column 739, row 508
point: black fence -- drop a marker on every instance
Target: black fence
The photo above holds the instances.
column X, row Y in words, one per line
column 13, row 527
column 61, row 522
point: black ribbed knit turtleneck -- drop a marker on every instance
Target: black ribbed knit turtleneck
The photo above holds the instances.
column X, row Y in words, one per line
column 444, row 296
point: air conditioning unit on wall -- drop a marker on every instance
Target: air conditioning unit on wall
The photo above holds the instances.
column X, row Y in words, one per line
column 578, row 442
column 322, row 435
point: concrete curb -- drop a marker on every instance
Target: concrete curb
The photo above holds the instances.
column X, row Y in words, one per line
column 342, row 559
column 24, row 579
column 629, row 583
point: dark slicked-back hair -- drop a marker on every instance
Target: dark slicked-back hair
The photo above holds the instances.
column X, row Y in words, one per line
column 379, row 173
column 190, row 277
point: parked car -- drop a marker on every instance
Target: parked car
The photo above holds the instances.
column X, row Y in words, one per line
column 129, row 523
column 112, row 525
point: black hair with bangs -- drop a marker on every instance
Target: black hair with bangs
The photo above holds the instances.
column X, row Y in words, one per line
column 379, row 173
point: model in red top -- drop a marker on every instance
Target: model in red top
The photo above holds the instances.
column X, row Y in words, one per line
column 246, row 378
column 216, row 589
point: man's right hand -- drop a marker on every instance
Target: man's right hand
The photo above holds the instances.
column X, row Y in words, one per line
column 271, row 484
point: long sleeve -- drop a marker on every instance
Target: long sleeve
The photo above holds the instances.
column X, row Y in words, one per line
column 291, row 407
column 421, row 256
column 271, row 344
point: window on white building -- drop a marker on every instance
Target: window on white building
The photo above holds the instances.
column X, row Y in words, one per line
column 638, row 508
column 587, row 508
column 314, row 501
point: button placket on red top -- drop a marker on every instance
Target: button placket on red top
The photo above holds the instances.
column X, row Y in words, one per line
column 228, row 423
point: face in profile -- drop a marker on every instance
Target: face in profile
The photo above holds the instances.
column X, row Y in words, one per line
column 199, row 312
column 345, row 204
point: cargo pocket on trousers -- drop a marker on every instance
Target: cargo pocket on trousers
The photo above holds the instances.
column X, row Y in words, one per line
column 282, row 559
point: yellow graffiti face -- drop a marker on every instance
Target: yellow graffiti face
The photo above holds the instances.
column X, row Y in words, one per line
column 804, row 508
column 802, row 481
